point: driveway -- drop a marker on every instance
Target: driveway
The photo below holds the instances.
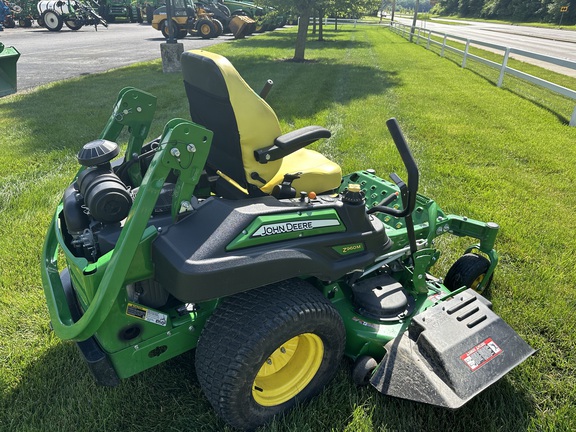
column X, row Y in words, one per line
column 52, row 56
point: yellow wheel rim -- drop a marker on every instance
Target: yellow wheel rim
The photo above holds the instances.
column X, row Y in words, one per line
column 477, row 282
column 288, row 370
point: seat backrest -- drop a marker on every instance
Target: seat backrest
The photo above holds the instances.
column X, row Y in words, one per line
column 240, row 119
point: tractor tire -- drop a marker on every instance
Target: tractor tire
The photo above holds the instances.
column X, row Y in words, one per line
column 206, row 28
column 468, row 270
column 164, row 29
column 74, row 24
column 219, row 27
column 9, row 22
column 263, row 351
column 149, row 14
column 26, row 22
column 53, row 21
column 363, row 369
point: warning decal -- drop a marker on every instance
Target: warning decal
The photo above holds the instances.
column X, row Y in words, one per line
column 481, row 354
column 143, row 313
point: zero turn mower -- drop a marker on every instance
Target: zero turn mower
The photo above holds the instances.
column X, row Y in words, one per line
column 226, row 236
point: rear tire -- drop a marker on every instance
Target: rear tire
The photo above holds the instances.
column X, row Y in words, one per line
column 468, row 270
column 52, row 20
column 206, row 28
column 9, row 22
column 219, row 27
column 74, row 24
column 149, row 14
column 265, row 350
column 164, row 30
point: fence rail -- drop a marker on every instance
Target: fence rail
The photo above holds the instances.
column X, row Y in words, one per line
column 426, row 35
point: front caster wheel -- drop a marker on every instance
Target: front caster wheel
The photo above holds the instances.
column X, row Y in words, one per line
column 362, row 370
column 468, row 270
column 265, row 350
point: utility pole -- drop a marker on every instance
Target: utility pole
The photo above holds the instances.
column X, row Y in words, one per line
column 169, row 22
column 171, row 50
column 413, row 28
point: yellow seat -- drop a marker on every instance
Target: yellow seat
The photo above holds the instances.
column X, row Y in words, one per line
column 248, row 148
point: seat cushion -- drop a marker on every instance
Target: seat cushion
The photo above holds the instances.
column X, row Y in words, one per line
column 319, row 174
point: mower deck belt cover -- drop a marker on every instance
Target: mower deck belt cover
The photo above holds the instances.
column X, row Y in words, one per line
column 450, row 353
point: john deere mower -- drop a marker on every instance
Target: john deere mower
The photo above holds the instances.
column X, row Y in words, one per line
column 226, row 236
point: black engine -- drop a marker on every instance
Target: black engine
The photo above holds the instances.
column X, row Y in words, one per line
column 97, row 199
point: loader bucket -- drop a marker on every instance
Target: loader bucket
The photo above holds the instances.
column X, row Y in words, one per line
column 450, row 353
column 241, row 26
column 8, row 58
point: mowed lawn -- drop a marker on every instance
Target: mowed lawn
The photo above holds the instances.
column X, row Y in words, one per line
column 504, row 155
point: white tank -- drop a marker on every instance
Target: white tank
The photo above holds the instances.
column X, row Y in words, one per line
column 63, row 7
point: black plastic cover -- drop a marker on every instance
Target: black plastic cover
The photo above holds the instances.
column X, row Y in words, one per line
column 192, row 263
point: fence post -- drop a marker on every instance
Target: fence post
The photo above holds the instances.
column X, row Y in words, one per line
column 428, row 43
column 465, row 53
column 443, row 46
column 573, row 119
column 503, row 68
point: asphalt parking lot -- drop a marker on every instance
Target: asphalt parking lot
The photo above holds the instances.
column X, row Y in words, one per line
column 53, row 56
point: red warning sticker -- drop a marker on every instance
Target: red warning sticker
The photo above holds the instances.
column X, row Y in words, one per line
column 481, row 354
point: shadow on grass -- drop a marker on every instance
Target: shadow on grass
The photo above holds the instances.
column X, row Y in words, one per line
column 56, row 392
column 67, row 114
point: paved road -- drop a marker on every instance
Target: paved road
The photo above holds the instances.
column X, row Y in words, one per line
column 53, row 56
column 550, row 42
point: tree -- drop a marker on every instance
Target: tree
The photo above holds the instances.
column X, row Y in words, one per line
column 303, row 9
column 446, row 7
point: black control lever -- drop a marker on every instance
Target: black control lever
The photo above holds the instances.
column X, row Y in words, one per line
column 407, row 191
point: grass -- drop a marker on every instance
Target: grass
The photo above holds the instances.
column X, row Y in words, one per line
column 560, row 105
column 488, row 153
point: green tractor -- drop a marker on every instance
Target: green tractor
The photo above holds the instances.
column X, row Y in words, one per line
column 226, row 236
column 23, row 13
column 112, row 10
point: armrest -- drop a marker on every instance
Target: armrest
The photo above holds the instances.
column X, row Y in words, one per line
column 290, row 142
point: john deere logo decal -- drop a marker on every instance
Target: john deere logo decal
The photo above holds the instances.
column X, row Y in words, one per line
column 288, row 227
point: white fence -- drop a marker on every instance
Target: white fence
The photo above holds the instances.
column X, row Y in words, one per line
column 426, row 35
